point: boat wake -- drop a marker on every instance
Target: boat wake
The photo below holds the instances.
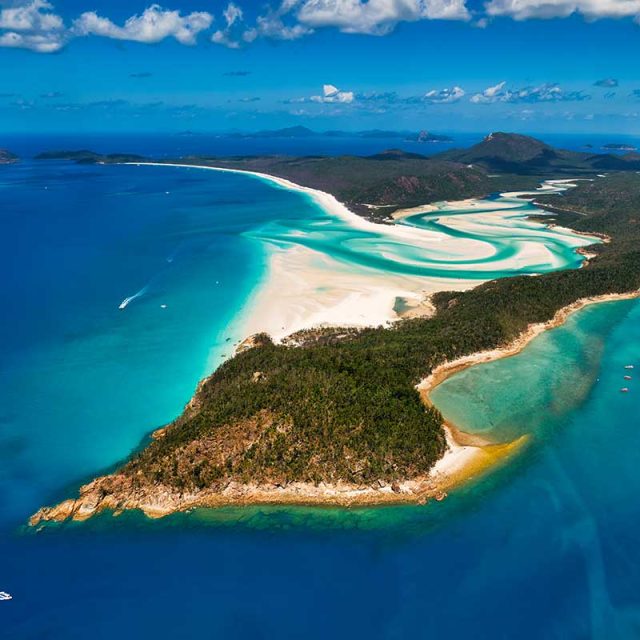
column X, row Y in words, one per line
column 127, row 301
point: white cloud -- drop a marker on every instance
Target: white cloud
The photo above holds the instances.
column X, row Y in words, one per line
column 34, row 24
column 548, row 92
column 496, row 90
column 31, row 24
column 30, row 16
column 232, row 14
column 222, row 37
column 230, row 36
column 45, row 43
column 331, row 94
column 376, row 16
column 272, row 26
column 592, row 9
column 153, row 25
column 444, row 96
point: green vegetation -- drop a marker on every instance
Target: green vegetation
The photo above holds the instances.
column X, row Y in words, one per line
column 513, row 153
column 377, row 185
column 389, row 180
column 346, row 408
column 341, row 404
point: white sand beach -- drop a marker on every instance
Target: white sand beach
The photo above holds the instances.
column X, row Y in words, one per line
column 305, row 288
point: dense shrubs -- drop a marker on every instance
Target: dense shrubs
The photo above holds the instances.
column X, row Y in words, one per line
column 348, row 409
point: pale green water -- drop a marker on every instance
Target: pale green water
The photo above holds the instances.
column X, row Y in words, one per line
column 530, row 392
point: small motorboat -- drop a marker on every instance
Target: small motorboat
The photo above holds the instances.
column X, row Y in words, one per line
column 627, row 377
column 624, row 390
column 628, row 366
column 5, row 596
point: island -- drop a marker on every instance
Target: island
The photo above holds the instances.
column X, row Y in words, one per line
column 305, row 132
column 6, row 157
column 342, row 416
column 620, row 147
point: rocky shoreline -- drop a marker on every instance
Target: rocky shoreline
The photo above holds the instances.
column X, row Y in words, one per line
column 466, row 457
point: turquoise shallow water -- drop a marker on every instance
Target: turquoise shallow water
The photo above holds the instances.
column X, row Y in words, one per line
column 432, row 244
column 542, row 548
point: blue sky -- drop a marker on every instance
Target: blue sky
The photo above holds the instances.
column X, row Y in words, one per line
column 443, row 65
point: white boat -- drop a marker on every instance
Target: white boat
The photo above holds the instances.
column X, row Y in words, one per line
column 5, row 596
column 628, row 366
column 624, row 390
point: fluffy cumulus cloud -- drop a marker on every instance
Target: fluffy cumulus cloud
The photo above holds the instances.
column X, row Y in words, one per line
column 331, row 94
column 31, row 24
column 495, row 93
column 591, row 9
column 444, row 96
column 284, row 20
column 152, row 25
column 35, row 24
column 375, row 16
column 548, row 92
column 381, row 101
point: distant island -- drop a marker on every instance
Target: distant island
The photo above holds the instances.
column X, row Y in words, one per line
column 378, row 185
column 342, row 416
column 6, row 157
column 620, row 147
column 305, row 132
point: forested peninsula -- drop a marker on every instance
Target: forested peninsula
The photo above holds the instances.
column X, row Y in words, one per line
column 338, row 410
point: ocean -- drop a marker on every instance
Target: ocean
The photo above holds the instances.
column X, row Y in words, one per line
column 123, row 286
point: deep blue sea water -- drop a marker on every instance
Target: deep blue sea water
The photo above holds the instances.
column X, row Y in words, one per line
column 542, row 548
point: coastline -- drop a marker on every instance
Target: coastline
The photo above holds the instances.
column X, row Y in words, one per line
column 461, row 463
column 467, row 457
column 293, row 294
column 281, row 303
column 447, row 369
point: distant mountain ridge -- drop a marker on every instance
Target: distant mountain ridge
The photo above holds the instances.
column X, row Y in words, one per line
column 304, row 132
column 517, row 153
column 375, row 186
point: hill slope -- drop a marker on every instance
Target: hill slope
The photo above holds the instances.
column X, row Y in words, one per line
column 515, row 153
